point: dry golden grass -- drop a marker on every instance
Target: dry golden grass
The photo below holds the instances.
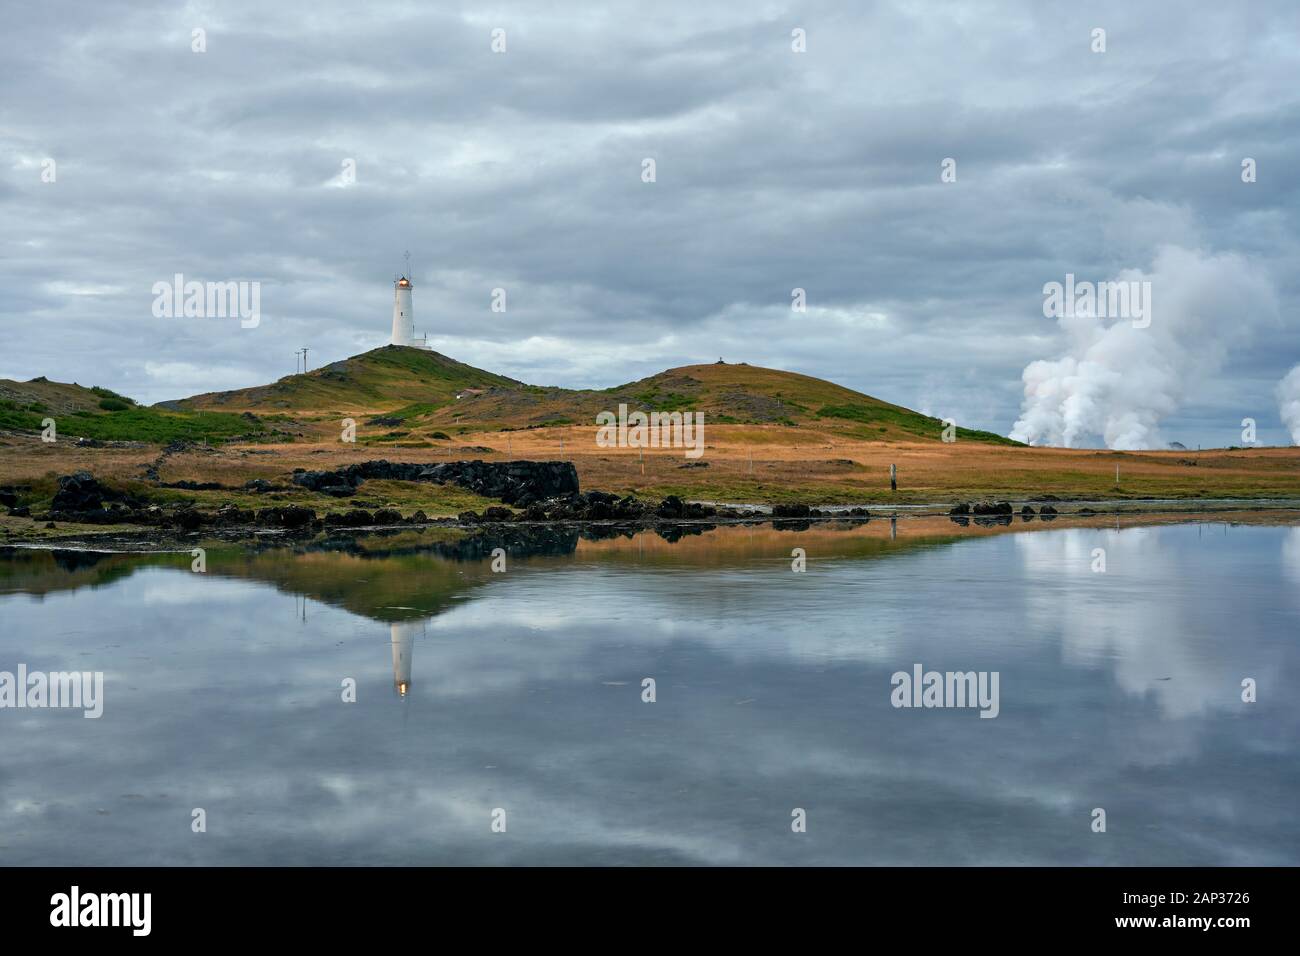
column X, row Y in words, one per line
column 746, row 463
column 771, row 463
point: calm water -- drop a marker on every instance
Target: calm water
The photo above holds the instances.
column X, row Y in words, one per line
column 223, row 691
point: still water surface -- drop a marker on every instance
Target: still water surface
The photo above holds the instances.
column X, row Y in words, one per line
column 523, row 691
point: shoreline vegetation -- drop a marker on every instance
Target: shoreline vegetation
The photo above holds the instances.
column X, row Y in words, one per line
column 476, row 540
column 408, row 436
column 467, row 497
column 186, row 487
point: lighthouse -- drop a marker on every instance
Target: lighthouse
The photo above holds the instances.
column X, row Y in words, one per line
column 404, row 317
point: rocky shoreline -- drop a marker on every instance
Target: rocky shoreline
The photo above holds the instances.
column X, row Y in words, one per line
column 541, row 493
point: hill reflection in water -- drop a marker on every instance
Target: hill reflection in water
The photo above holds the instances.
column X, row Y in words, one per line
column 522, row 690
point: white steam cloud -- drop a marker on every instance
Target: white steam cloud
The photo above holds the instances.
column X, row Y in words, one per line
column 1288, row 403
column 1116, row 381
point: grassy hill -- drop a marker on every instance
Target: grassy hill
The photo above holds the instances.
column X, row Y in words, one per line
column 772, row 437
column 377, row 381
column 81, row 412
column 422, row 395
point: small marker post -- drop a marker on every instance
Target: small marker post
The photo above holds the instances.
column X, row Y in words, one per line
column 893, row 477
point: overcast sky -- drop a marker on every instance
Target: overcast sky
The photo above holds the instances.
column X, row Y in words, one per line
column 775, row 169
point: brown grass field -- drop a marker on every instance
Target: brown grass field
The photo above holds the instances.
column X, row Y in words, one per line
column 772, row 463
column 745, row 464
column 771, row 436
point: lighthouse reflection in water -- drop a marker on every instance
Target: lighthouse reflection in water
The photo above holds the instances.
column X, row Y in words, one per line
column 402, row 636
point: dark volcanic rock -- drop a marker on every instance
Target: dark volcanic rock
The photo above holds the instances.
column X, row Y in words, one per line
column 960, row 509
column 514, row 482
column 1026, row 510
column 388, row 516
column 992, row 508
column 289, row 516
column 230, row 516
column 629, row 507
column 791, row 511
column 670, row 507
column 79, row 492
column 356, row 518
column 1047, row 510
column 323, row 480
column 83, row 499
column 187, row 519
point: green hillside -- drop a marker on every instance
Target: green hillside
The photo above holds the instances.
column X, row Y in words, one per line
column 376, row 381
column 422, row 396
column 81, row 412
column 726, row 394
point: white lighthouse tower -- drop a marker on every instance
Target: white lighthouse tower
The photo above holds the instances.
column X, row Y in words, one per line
column 404, row 317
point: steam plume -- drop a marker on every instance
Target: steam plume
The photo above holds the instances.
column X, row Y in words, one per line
column 1117, row 381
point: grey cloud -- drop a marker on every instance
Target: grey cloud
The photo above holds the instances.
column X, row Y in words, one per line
column 776, row 170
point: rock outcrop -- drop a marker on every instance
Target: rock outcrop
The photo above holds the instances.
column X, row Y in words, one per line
column 791, row 511
column 81, row 497
column 514, row 482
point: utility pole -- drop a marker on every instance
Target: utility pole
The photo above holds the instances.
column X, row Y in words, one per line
column 304, row 359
